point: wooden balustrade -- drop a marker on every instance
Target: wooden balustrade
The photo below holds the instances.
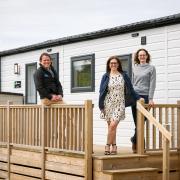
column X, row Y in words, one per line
column 164, row 114
column 159, row 115
column 64, row 126
column 61, row 127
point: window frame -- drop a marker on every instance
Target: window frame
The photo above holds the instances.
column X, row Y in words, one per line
column 81, row 58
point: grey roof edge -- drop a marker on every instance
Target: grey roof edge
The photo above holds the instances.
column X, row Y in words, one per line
column 142, row 25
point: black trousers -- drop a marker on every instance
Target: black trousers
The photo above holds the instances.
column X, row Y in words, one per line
column 134, row 113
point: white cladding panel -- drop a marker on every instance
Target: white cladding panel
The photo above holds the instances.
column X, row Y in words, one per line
column 162, row 43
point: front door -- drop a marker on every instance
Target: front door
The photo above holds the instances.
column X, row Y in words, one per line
column 31, row 94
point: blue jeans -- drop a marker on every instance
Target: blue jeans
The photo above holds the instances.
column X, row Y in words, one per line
column 134, row 113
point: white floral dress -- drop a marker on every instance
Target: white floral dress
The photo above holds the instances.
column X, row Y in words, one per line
column 114, row 104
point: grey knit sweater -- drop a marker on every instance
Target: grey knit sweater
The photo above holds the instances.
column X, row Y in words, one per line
column 144, row 79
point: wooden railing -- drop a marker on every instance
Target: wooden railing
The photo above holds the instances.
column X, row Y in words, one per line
column 162, row 130
column 58, row 127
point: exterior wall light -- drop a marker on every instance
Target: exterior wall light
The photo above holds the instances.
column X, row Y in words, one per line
column 16, row 68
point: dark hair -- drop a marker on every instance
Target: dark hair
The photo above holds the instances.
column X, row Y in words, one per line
column 118, row 61
column 44, row 54
column 136, row 59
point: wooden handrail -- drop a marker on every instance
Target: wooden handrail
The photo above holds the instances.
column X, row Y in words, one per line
column 165, row 134
column 149, row 116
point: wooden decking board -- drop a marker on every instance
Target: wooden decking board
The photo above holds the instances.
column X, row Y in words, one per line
column 119, row 156
column 58, row 176
column 65, row 168
column 65, row 159
column 33, row 172
column 3, row 166
column 3, row 174
column 14, row 176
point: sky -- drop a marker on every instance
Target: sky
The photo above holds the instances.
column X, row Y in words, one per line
column 27, row 22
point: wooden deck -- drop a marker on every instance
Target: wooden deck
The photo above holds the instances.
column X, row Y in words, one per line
column 25, row 164
column 55, row 143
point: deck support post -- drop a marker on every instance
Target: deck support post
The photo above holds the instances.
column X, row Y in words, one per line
column 140, row 130
column 88, row 140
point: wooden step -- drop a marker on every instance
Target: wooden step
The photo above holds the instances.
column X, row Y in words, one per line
column 128, row 174
column 155, row 160
column 134, row 170
column 101, row 163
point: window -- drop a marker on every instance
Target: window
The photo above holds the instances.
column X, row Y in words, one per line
column 55, row 62
column 126, row 62
column 82, row 73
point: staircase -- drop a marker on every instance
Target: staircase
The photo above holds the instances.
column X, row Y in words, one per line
column 129, row 167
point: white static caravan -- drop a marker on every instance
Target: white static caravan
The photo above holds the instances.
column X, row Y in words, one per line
column 81, row 61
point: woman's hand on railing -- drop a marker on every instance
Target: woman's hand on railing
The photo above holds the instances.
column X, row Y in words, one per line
column 151, row 103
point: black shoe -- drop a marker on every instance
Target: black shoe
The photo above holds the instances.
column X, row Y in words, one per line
column 134, row 148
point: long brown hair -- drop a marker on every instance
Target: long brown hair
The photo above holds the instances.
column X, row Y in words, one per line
column 136, row 59
column 118, row 61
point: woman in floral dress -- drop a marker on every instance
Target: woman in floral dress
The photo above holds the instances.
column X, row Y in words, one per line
column 116, row 92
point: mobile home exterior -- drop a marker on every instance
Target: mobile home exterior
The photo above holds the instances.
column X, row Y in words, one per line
column 81, row 60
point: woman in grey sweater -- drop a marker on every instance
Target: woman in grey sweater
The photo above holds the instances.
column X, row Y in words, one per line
column 144, row 83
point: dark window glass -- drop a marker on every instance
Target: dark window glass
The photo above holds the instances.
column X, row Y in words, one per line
column 55, row 62
column 126, row 62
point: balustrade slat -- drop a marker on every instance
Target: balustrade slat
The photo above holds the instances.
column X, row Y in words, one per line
column 166, row 116
column 70, row 130
column 36, row 127
column 30, row 126
column 74, row 128
column 83, row 130
column 160, row 121
column 154, row 130
column 65, row 128
column 33, row 128
column 78, row 129
column 172, row 128
column 39, row 127
column 147, row 135
column 55, row 128
column 62, row 125
column 59, row 129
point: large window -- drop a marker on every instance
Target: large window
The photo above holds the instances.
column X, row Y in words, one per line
column 126, row 62
column 82, row 73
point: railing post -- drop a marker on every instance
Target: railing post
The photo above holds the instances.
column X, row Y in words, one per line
column 140, row 130
column 166, row 146
column 88, row 139
column 8, row 139
column 178, row 134
column 43, row 142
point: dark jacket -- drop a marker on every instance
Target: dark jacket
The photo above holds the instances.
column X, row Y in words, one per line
column 46, row 84
column 130, row 95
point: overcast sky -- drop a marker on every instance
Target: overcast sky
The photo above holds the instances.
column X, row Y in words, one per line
column 26, row 22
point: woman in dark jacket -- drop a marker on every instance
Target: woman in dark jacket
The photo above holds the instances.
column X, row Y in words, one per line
column 116, row 92
column 47, row 82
